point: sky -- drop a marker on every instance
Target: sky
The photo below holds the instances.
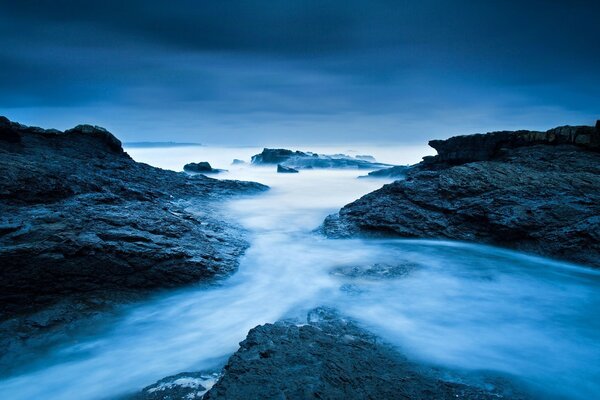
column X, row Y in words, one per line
column 300, row 72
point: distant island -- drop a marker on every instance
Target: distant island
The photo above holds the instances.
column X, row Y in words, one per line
column 159, row 144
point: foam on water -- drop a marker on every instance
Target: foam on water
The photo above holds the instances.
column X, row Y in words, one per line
column 461, row 305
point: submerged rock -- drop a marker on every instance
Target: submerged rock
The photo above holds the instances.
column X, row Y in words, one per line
column 286, row 170
column 307, row 160
column 201, row 167
column 376, row 271
column 84, row 227
column 330, row 357
column 528, row 191
column 237, row 161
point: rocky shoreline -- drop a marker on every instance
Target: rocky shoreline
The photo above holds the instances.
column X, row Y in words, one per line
column 328, row 357
column 84, row 228
column 536, row 192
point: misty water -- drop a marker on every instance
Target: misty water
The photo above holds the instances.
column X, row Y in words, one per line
column 462, row 306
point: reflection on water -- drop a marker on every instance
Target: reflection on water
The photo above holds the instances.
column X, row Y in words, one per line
column 459, row 305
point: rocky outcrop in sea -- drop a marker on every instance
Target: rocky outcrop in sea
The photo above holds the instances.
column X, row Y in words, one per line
column 532, row 191
column 201, row 167
column 307, row 160
column 83, row 227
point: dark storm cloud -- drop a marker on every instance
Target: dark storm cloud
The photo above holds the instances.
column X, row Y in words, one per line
column 258, row 67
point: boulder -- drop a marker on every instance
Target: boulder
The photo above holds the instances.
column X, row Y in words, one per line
column 202, row 167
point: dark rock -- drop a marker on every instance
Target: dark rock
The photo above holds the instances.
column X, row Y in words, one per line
column 484, row 147
column 286, row 170
column 102, row 135
column 308, row 160
column 275, row 156
column 184, row 386
column 83, row 227
column 542, row 198
column 201, row 167
column 398, row 171
column 332, row 358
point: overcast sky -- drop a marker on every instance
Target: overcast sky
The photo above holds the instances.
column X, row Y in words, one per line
column 300, row 72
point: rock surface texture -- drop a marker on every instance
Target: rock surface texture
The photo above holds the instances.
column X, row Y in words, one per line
column 286, row 170
column 84, row 227
column 307, row 160
column 532, row 191
column 201, row 167
column 332, row 358
column 399, row 171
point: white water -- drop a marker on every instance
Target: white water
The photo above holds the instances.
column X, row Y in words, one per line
column 466, row 306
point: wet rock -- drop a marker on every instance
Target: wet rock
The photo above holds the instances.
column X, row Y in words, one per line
column 186, row 385
column 83, row 227
column 307, row 160
column 398, row 171
column 286, row 170
column 540, row 198
column 276, row 156
column 201, row 167
column 330, row 357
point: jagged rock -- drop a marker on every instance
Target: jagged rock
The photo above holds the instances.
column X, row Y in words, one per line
column 307, row 160
column 201, row 167
column 483, row 147
column 399, row 171
column 275, row 156
column 286, row 170
column 540, row 198
column 84, row 227
column 330, row 357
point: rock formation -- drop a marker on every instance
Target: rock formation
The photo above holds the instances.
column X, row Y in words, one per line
column 532, row 191
column 307, row 160
column 399, row 171
column 330, row 357
column 202, row 167
column 84, row 227
column 286, row 170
